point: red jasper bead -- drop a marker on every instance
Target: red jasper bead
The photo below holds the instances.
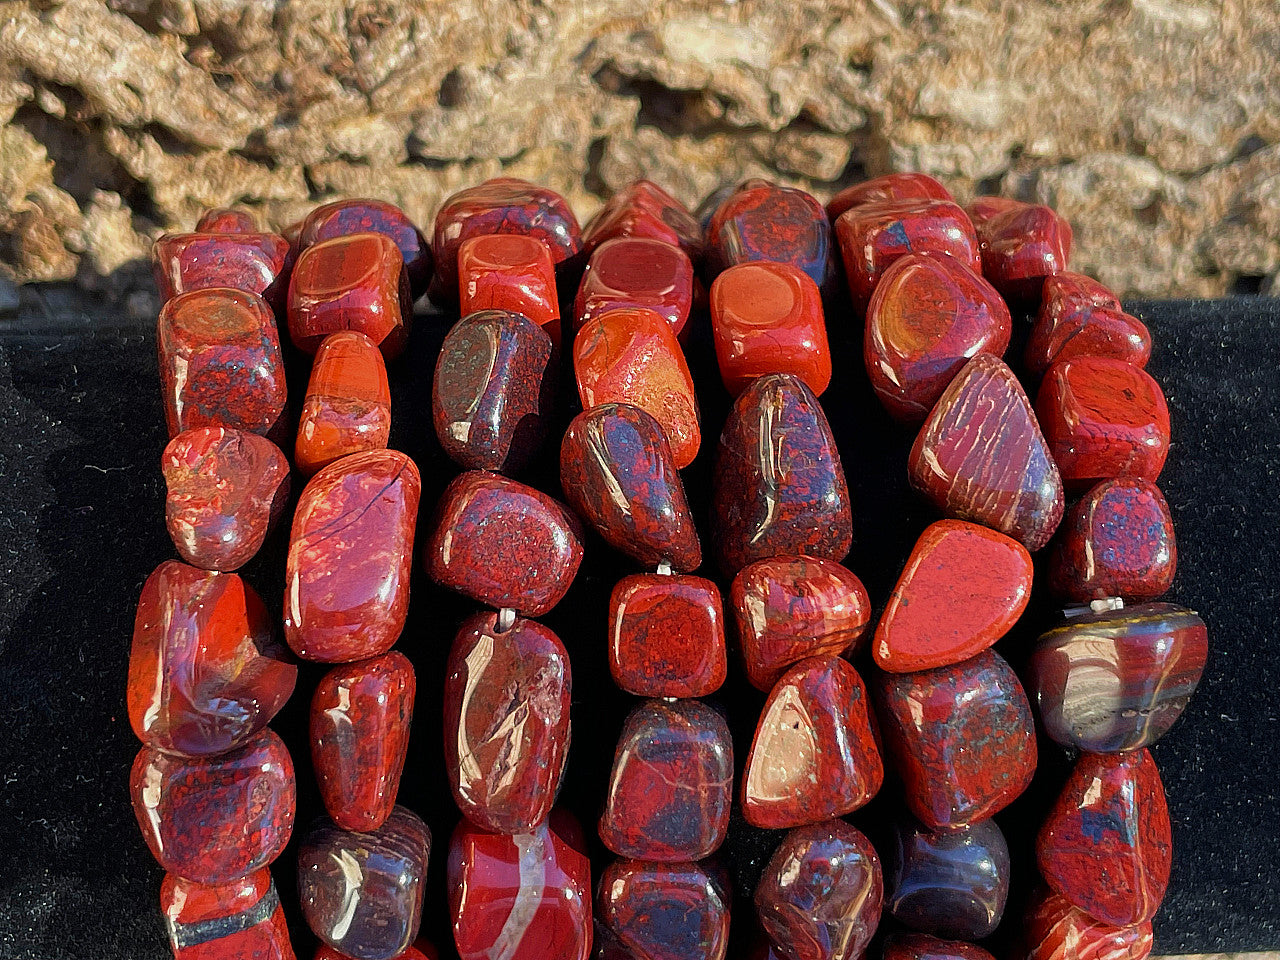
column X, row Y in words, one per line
column 874, row 235
column 220, row 362
column 644, row 210
column 962, row 589
column 921, row 946
column 891, row 186
column 637, row 273
column 1053, row 929
column 1104, row 418
column 215, row 820
column 665, row 911
column 257, row 263
column 961, row 737
column 225, row 490
column 666, row 636
column 792, row 608
column 344, row 217
column 506, row 722
column 503, row 543
column 632, row 356
column 356, row 282
column 980, row 456
column 205, row 671
column 671, row 783
column 1106, row 845
column 240, row 920
column 763, row 221
column 347, row 408
column 814, row 755
column 617, row 471
column 360, row 717
column 1021, row 243
column 226, row 220
column 928, row 316
column 504, row 271
column 350, row 551
column 1080, row 317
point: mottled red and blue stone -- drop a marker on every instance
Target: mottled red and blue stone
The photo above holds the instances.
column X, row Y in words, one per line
column 666, row 636
column 1021, row 243
column 257, row 263
column 665, row 911
column 343, row 217
column 644, row 210
column 891, row 186
column 763, row 221
column 239, row 920
column 226, row 220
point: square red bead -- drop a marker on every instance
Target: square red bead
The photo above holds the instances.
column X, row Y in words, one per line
column 644, row 210
column 637, row 272
column 666, row 636
column 254, row 262
column 507, row 271
column 1022, row 244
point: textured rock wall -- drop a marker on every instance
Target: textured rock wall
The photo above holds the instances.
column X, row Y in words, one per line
column 1153, row 125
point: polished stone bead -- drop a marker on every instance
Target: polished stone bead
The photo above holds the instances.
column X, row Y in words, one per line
column 214, row 820
column 671, row 783
column 347, row 408
column 257, row 263
column 778, row 488
column 1103, row 418
column 666, row 636
column 821, row 893
column 632, row 356
column 226, row 220
column 225, row 490
column 343, row 217
column 1079, row 317
column 360, row 717
column 791, row 608
column 891, row 186
column 503, row 543
column 873, row 236
column 644, row 210
column 961, row 738
column 1106, row 682
column 927, row 317
column 1021, row 243
column 523, row 897
column 1116, row 541
column 763, row 221
column 205, row 672
column 712, row 202
column 980, row 456
column 1105, row 845
column 1053, row 929
column 767, row 318
column 220, row 362
column 814, row 755
column 665, row 911
column 951, row 884
column 493, row 390
column 420, row 950
column 962, row 589
column 350, row 552
column 506, row 722
column 617, row 471
column 240, row 920
column 361, row 893
column 921, row 946
column 355, row 282
column 637, row 273
column 510, row 272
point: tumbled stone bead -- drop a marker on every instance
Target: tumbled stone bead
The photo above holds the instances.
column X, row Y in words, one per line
column 256, row 263
column 1021, row 243
column 617, row 471
column 1105, row 845
column 510, row 272
column 671, row 783
column 1053, row 929
column 927, row 317
column 961, row 738
column 763, row 221
column 493, row 390
column 503, row 543
column 350, row 551
column 666, row 636
column 506, row 722
column 712, row 202
column 347, row 408
column 1106, row 682
column 1079, row 317
column 220, row 362
column 213, row 820
column 644, row 210
column 361, row 893
column 951, row 884
column 636, row 273
column 767, row 318
column 343, row 217
column 921, row 946
column 420, row 950
column 891, row 186
column 1116, row 541
column 820, row 895
column 791, row 608
column 632, row 356
column 225, row 490
column 1103, row 418
column 778, row 488
column 980, row 456
column 226, row 220
column 874, row 235
column 962, row 589
column 814, row 755
column 240, row 920
column 360, row 717
column 205, row 671
column 526, row 897
column 356, row 282
column 665, row 911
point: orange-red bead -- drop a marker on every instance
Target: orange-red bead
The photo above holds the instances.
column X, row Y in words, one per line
column 508, row 271
column 348, row 402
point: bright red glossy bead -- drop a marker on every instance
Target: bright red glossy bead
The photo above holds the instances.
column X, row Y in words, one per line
column 636, row 272
column 257, row 263
column 1021, row 243
column 644, row 210
column 891, row 186
column 666, row 636
column 226, row 220
column 1079, row 317
column 921, row 946
column 505, row 271
column 665, row 911
column 763, row 221
column 347, row 408
column 1053, row 929
column 343, row 217
column 240, row 920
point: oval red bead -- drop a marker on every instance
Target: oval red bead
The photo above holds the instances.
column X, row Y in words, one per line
column 240, row 920
column 665, row 911
column 1021, row 244
column 666, row 636
column 362, row 215
column 504, row 271
column 257, row 263
column 347, row 408
column 1053, row 929
column 636, row 273
column 763, row 221
column 891, row 186
column 226, row 220
column 1079, row 317
column 644, row 210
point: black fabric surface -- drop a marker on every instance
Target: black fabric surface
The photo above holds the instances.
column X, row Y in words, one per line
column 81, row 526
